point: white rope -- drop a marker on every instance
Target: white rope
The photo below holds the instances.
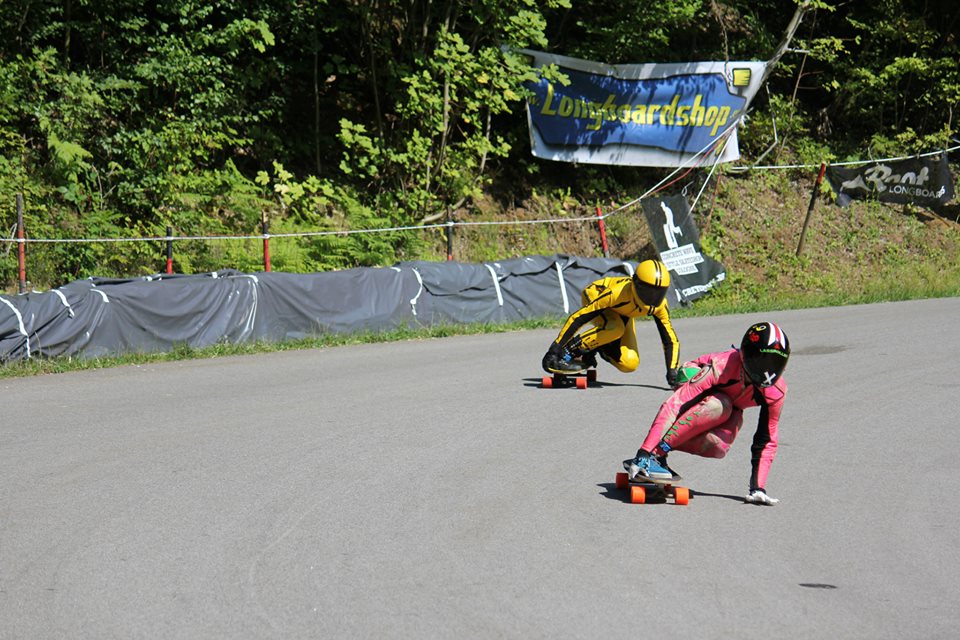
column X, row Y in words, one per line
column 849, row 163
column 477, row 223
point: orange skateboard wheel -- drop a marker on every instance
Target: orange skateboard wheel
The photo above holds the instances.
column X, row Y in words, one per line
column 623, row 480
column 681, row 495
column 637, row 495
column 547, row 382
column 581, row 383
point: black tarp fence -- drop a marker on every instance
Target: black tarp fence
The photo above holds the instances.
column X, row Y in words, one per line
column 101, row 317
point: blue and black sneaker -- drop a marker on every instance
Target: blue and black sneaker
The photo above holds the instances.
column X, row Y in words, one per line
column 646, row 466
column 662, row 461
column 565, row 362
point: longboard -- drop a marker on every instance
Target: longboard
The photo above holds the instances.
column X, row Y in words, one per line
column 646, row 488
column 581, row 380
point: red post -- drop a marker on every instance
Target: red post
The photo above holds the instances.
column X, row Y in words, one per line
column 169, row 249
column 603, row 233
column 813, row 203
column 266, row 246
column 21, row 253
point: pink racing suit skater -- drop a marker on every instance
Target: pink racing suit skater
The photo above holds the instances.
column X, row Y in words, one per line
column 705, row 414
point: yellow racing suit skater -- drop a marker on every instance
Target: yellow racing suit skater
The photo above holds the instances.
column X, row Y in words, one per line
column 611, row 305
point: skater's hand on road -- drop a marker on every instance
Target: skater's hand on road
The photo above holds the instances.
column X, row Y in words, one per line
column 672, row 378
column 759, row 496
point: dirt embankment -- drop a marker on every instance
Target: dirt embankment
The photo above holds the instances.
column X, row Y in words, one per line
column 752, row 224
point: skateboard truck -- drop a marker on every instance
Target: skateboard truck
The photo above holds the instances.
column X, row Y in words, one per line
column 581, row 379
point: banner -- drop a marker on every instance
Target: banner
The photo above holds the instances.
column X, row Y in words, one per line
column 675, row 235
column 922, row 181
column 655, row 115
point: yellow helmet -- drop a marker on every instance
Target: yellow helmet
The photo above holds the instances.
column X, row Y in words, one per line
column 651, row 281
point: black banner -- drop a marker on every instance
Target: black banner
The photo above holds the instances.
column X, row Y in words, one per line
column 922, row 181
column 675, row 235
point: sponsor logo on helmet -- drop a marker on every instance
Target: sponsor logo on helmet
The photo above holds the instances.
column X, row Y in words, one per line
column 780, row 352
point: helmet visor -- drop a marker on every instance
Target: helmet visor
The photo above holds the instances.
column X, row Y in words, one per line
column 763, row 369
column 649, row 294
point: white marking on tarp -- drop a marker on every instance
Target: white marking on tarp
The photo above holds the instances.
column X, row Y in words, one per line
column 103, row 294
column 413, row 301
column 563, row 288
column 496, row 284
column 255, row 304
column 64, row 300
column 22, row 329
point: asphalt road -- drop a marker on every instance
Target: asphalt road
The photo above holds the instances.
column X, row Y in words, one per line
column 431, row 489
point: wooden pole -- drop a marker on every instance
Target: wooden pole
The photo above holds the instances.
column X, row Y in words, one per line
column 603, row 233
column 21, row 253
column 813, row 203
column 169, row 249
column 449, row 240
column 266, row 245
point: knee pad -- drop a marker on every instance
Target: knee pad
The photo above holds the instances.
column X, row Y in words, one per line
column 717, row 407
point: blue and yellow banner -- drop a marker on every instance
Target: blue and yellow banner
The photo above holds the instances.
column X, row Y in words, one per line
column 647, row 115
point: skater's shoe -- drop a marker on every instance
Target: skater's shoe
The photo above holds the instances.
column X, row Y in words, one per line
column 646, row 466
column 562, row 363
column 662, row 461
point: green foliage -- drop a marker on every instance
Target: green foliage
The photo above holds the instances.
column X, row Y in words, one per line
column 451, row 86
column 119, row 118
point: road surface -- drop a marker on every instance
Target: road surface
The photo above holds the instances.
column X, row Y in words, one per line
column 431, row 489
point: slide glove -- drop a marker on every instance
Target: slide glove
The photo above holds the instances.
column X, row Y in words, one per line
column 759, row 496
column 673, row 378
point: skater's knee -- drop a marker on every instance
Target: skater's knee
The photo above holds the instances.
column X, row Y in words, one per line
column 714, row 446
column 628, row 361
column 717, row 407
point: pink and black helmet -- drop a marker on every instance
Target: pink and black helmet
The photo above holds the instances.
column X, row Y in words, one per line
column 764, row 350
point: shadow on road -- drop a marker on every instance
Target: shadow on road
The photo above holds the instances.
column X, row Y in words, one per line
column 611, row 492
column 596, row 384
